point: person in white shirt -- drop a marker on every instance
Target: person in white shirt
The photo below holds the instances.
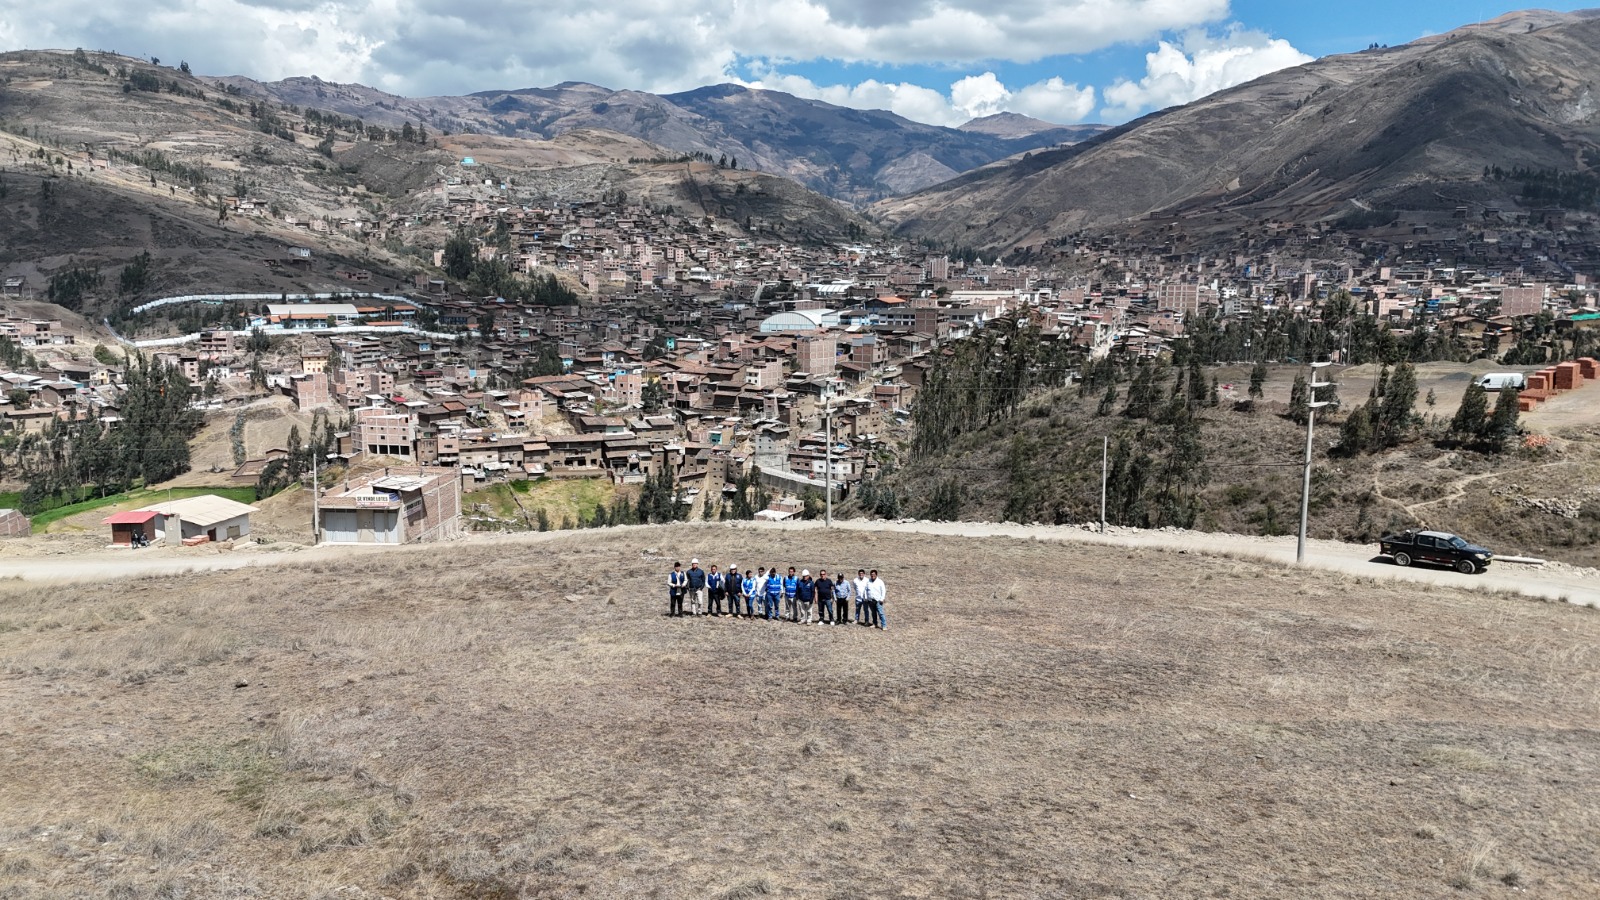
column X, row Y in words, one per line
column 863, row 607
column 875, row 596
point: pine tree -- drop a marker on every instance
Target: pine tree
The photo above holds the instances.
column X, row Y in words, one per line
column 1142, row 393
column 1258, row 380
column 1107, row 402
column 1197, row 383
column 1299, row 400
column 1469, row 420
column 1502, row 425
column 1395, row 414
column 1355, row 435
column 944, row 504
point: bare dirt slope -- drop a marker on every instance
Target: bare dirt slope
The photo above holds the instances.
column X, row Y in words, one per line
column 517, row 719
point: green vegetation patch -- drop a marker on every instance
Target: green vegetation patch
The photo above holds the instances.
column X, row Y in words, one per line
column 563, row 501
column 137, row 498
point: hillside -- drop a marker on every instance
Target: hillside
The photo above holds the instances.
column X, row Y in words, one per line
column 853, row 155
column 1044, row 464
column 97, row 171
column 1404, row 128
column 491, row 720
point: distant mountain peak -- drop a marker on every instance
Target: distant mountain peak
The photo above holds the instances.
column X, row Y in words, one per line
column 1007, row 124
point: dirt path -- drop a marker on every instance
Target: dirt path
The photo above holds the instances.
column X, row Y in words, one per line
column 106, row 565
column 1458, row 488
column 1551, row 582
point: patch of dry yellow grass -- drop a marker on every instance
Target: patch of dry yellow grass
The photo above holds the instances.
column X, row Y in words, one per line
column 518, row 719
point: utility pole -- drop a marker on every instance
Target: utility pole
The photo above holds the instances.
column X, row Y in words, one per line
column 1105, row 468
column 316, row 503
column 1312, row 405
column 827, row 463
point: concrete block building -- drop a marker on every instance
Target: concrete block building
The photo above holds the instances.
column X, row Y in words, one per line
column 399, row 505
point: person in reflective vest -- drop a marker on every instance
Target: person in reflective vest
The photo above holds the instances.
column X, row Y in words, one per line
column 749, row 591
column 791, row 586
column 774, row 592
column 677, row 583
column 734, row 585
column 715, row 588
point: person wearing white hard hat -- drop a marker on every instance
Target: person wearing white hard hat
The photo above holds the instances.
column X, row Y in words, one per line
column 697, row 588
column 805, row 595
column 733, row 584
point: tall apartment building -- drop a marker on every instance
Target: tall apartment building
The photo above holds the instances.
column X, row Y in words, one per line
column 380, row 432
column 1522, row 301
column 1179, row 296
column 817, row 356
column 867, row 350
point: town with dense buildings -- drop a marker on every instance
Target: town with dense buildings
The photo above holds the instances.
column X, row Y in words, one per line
column 701, row 350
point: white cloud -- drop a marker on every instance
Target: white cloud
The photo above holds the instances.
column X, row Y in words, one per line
column 432, row 47
column 1053, row 100
column 979, row 95
column 423, row 47
column 972, row 97
column 1199, row 65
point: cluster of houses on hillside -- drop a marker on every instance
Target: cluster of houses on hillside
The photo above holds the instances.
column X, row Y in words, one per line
column 711, row 353
column 1474, row 281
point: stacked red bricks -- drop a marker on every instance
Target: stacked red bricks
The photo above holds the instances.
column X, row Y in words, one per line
column 1547, row 383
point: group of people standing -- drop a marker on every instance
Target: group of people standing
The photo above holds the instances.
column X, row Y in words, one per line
column 823, row 600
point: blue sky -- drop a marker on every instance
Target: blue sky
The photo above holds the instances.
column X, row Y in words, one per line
column 936, row 61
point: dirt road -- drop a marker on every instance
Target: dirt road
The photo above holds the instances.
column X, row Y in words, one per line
column 1552, row 582
column 106, row 565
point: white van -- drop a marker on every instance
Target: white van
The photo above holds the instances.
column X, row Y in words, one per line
column 1495, row 381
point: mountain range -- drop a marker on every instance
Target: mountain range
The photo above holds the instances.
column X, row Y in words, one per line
column 857, row 156
column 1431, row 125
column 104, row 157
column 1503, row 114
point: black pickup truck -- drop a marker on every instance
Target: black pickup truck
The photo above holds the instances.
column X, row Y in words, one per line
column 1436, row 547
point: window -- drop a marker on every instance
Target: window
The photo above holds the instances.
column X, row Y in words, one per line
column 1425, row 542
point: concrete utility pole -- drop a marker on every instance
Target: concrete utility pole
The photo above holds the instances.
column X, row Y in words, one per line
column 316, row 531
column 1105, row 469
column 1312, row 404
column 827, row 463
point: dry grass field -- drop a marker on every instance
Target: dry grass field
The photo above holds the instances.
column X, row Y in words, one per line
column 516, row 718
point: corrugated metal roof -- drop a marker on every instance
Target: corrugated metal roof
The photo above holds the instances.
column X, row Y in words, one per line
column 205, row 510
column 400, row 483
column 135, row 517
